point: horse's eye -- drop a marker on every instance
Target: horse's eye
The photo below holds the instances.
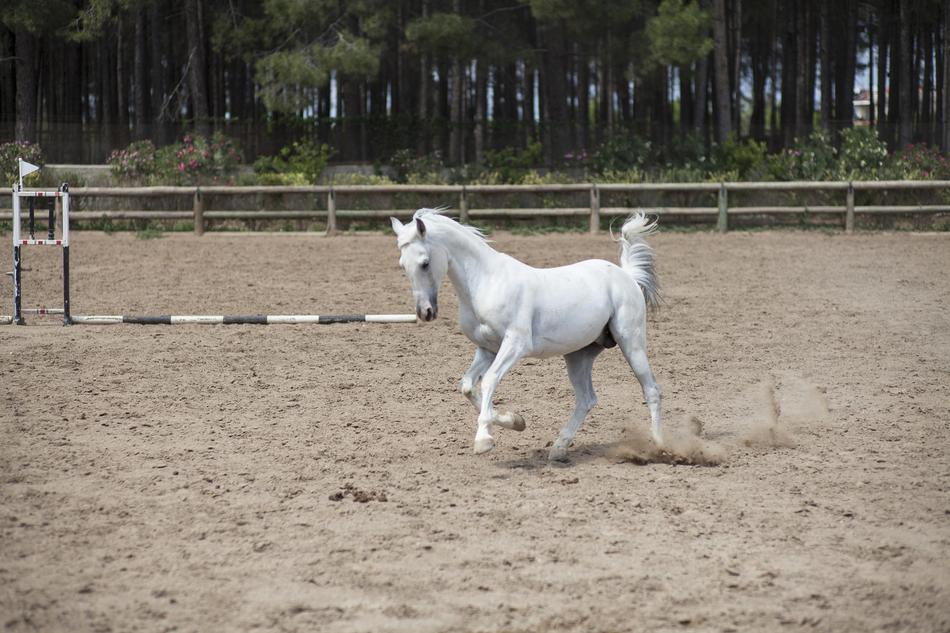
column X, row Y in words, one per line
column 425, row 265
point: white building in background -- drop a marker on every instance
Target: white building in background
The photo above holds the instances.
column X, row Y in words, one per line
column 862, row 106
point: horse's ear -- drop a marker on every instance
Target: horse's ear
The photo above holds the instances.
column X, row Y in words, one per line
column 420, row 227
column 397, row 225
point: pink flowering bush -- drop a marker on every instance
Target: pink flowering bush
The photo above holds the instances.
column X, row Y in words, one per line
column 9, row 152
column 922, row 162
column 134, row 163
column 192, row 160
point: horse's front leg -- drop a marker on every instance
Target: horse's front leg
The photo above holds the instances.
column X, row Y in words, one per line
column 469, row 388
column 511, row 351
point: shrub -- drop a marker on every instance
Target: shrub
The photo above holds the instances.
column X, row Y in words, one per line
column 361, row 179
column 742, row 158
column 812, row 158
column 9, row 152
column 511, row 165
column 192, row 160
column 301, row 163
column 409, row 168
column 620, row 152
column 863, row 156
column 920, row 162
column 135, row 162
column 197, row 159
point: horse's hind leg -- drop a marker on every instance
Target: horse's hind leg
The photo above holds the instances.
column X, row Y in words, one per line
column 629, row 330
column 580, row 364
column 469, row 388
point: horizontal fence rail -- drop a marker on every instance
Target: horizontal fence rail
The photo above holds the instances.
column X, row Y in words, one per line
column 594, row 212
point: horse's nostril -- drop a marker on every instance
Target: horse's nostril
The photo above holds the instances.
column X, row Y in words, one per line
column 428, row 314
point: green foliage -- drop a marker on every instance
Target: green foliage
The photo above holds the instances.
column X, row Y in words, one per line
column 417, row 170
column 443, row 35
column 679, row 32
column 740, row 157
column 150, row 233
column 301, row 163
column 43, row 17
column 622, row 151
column 286, row 77
column 813, row 158
column 510, row 165
column 620, row 176
column 361, row 179
column 9, row 168
column 863, row 156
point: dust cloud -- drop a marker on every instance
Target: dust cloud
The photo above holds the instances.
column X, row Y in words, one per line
column 776, row 408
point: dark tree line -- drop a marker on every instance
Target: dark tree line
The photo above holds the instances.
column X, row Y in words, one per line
column 463, row 77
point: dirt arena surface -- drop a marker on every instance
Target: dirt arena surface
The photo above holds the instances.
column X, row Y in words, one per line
column 320, row 478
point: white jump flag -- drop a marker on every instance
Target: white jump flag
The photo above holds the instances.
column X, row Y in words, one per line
column 26, row 169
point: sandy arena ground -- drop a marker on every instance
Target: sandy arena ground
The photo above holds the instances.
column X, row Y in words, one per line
column 320, row 478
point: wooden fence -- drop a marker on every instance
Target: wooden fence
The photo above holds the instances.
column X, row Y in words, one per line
column 201, row 216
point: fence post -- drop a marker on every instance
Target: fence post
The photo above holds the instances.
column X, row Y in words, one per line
column 199, row 211
column 849, row 209
column 463, row 207
column 594, row 209
column 723, row 223
column 331, row 212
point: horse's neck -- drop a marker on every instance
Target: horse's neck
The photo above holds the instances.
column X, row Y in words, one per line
column 470, row 263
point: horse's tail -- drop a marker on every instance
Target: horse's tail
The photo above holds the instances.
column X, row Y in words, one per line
column 637, row 258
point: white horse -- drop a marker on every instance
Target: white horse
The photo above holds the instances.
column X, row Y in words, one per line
column 511, row 311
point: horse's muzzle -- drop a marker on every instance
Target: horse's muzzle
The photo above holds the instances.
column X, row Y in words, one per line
column 427, row 312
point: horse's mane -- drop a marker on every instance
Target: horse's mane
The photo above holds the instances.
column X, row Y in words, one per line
column 437, row 218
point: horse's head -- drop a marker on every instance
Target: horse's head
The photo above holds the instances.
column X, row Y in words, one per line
column 425, row 264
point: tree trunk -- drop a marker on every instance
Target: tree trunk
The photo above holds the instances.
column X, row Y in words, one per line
column 197, row 70
column 7, row 79
column 774, row 141
column 721, row 75
column 801, row 71
column 789, row 75
column 423, row 105
column 737, row 67
column 883, row 48
column 140, row 85
column 761, row 46
column 25, row 47
column 824, row 57
column 905, row 121
column 701, row 96
column 455, row 113
column 870, row 74
column 686, row 99
column 532, row 76
column 481, row 108
column 926, row 106
column 554, row 61
column 156, row 37
column 121, row 86
column 583, row 100
column 945, row 110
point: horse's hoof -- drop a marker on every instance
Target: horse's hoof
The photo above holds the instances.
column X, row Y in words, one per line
column 484, row 445
column 517, row 422
column 557, row 454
